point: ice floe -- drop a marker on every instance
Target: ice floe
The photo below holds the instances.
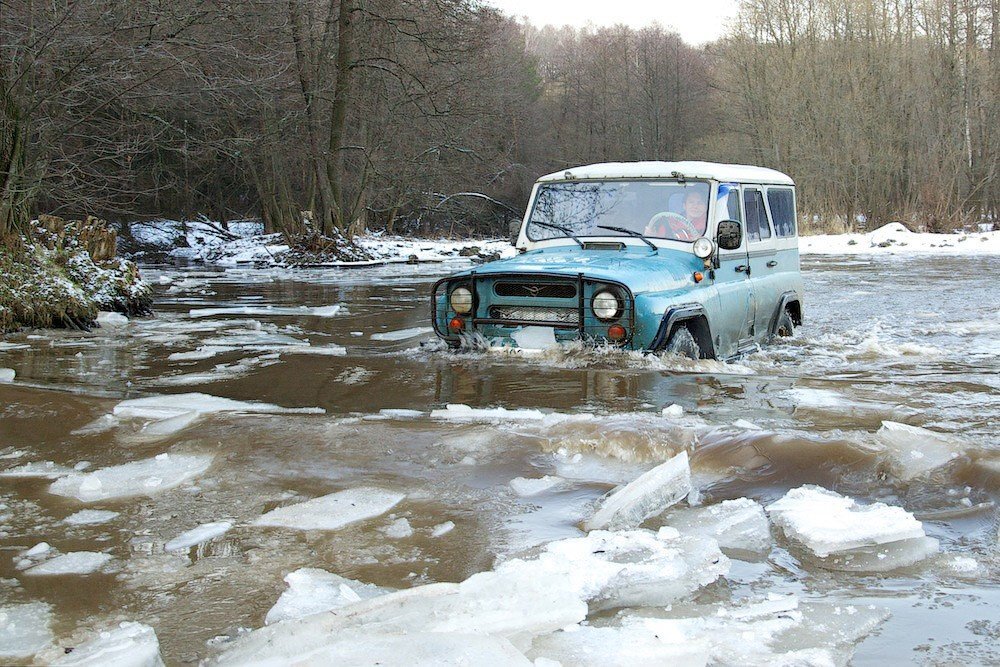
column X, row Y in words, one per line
column 39, row 549
column 90, row 517
column 37, row 470
column 138, row 478
column 402, row 334
column 197, row 535
column 739, row 525
column 333, row 511
column 399, row 529
column 24, row 630
column 619, row 647
column 846, row 535
column 7, row 375
column 459, row 412
column 128, row 645
column 916, row 450
column 75, row 562
column 311, row 590
column 526, row 487
column 267, row 311
column 172, row 405
column 442, row 529
column 649, row 495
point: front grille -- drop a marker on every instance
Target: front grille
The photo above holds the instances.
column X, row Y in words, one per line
column 537, row 290
column 535, row 314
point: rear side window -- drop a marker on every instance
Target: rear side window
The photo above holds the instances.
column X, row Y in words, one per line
column 757, row 227
column 782, row 203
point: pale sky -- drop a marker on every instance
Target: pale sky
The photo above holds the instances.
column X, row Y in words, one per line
column 698, row 21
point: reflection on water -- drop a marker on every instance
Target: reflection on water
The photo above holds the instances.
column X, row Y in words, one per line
column 911, row 341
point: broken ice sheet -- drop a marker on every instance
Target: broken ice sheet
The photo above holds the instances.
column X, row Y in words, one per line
column 739, row 526
column 37, row 470
column 7, row 375
column 826, row 522
column 75, row 562
column 311, row 590
column 138, row 478
column 619, row 647
column 24, row 630
column 526, row 487
column 916, row 450
column 89, row 517
column 402, row 334
column 197, row 535
column 647, row 496
column 128, row 645
column 266, row 311
column 333, row 511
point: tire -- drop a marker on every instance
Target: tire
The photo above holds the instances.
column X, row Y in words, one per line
column 683, row 344
column 785, row 327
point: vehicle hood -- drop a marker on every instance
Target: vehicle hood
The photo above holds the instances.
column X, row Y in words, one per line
column 637, row 267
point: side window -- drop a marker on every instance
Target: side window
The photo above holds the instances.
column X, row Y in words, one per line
column 757, row 227
column 733, row 205
column 782, row 203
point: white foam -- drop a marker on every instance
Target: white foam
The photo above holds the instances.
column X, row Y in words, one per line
column 24, row 630
column 826, row 522
column 89, row 517
column 37, row 470
column 138, row 478
column 916, row 450
column 647, row 496
column 738, row 525
column 333, row 511
column 269, row 311
column 526, row 487
column 311, row 591
column 402, row 334
column 128, row 645
column 197, row 535
column 535, row 338
column 7, row 374
column 75, row 562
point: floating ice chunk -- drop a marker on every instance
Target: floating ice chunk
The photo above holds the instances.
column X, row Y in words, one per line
column 620, row 647
column 89, row 517
column 111, row 319
column 535, row 338
column 203, row 352
column 75, row 562
column 333, row 511
column 128, row 645
column 881, row 557
column 311, row 591
column 443, row 529
column 826, row 522
column 916, row 450
column 40, row 470
column 397, row 413
column 398, row 529
column 161, row 428
column 7, row 375
column 673, row 411
column 139, row 478
column 459, row 412
column 402, row 334
column 324, row 350
column 24, row 630
column 165, row 280
column 816, row 398
column 39, row 549
column 99, row 425
column 202, row 533
column 11, row 453
column 746, row 425
column 738, row 525
column 647, row 496
column 264, row 311
column 526, row 487
column 173, row 405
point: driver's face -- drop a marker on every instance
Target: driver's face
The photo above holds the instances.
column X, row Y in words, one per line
column 695, row 206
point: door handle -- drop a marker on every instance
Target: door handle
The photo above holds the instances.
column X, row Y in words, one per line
column 743, row 268
column 772, row 264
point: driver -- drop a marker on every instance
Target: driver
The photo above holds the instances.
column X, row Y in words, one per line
column 687, row 227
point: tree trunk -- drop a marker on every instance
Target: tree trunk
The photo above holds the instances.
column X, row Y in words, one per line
column 338, row 112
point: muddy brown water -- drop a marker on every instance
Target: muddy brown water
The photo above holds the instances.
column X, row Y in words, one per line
column 911, row 340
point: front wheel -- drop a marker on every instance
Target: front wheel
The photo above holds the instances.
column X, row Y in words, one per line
column 683, row 344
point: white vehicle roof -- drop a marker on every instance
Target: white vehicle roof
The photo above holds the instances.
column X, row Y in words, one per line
column 736, row 173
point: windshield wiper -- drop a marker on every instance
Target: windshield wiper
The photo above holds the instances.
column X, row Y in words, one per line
column 631, row 232
column 565, row 230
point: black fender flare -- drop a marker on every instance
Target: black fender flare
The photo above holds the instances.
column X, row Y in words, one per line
column 683, row 313
column 783, row 302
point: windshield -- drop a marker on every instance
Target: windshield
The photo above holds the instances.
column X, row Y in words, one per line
column 657, row 209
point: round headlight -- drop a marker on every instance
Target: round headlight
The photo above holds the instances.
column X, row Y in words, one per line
column 461, row 300
column 703, row 248
column 605, row 305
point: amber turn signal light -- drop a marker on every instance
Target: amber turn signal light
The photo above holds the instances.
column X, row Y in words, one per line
column 617, row 333
column 698, row 276
column 456, row 325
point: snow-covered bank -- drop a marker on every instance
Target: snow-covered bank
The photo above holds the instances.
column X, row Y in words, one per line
column 895, row 239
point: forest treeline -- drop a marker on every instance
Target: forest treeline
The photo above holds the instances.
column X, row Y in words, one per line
column 437, row 115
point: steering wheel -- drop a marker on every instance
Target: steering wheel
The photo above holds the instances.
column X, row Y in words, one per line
column 681, row 227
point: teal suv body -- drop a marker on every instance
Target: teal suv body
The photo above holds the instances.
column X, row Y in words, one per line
column 696, row 258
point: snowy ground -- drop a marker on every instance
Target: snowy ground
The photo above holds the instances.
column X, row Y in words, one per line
column 895, row 239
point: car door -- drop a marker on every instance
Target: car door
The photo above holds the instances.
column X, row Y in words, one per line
column 732, row 280
column 762, row 261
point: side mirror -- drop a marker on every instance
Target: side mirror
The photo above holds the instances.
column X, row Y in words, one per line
column 513, row 230
column 729, row 235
